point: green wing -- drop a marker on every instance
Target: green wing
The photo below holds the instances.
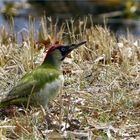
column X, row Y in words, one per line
column 33, row 82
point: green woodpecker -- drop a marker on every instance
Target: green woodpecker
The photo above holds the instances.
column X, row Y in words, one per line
column 43, row 83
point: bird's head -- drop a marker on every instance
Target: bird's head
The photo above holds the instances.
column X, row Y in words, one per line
column 57, row 53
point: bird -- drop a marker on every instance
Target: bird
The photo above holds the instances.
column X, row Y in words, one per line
column 43, row 83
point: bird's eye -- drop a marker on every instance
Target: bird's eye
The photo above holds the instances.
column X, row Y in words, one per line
column 63, row 49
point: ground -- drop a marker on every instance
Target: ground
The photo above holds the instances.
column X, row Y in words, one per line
column 101, row 94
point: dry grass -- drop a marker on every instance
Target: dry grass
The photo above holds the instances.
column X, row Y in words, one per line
column 101, row 95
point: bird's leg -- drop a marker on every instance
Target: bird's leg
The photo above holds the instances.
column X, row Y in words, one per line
column 47, row 109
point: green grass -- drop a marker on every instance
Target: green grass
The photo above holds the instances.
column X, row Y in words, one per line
column 101, row 95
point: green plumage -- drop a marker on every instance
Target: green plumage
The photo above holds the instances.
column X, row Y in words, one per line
column 34, row 81
column 30, row 84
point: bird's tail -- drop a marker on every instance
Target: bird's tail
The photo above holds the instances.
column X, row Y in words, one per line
column 5, row 102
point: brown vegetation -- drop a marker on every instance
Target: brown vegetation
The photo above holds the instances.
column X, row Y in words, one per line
column 101, row 94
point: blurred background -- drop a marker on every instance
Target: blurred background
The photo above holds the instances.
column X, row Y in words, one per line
column 121, row 16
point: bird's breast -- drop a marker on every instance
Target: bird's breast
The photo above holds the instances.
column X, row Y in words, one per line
column 50, row 90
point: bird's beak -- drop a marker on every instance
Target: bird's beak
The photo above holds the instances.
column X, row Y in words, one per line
column 74, row 46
